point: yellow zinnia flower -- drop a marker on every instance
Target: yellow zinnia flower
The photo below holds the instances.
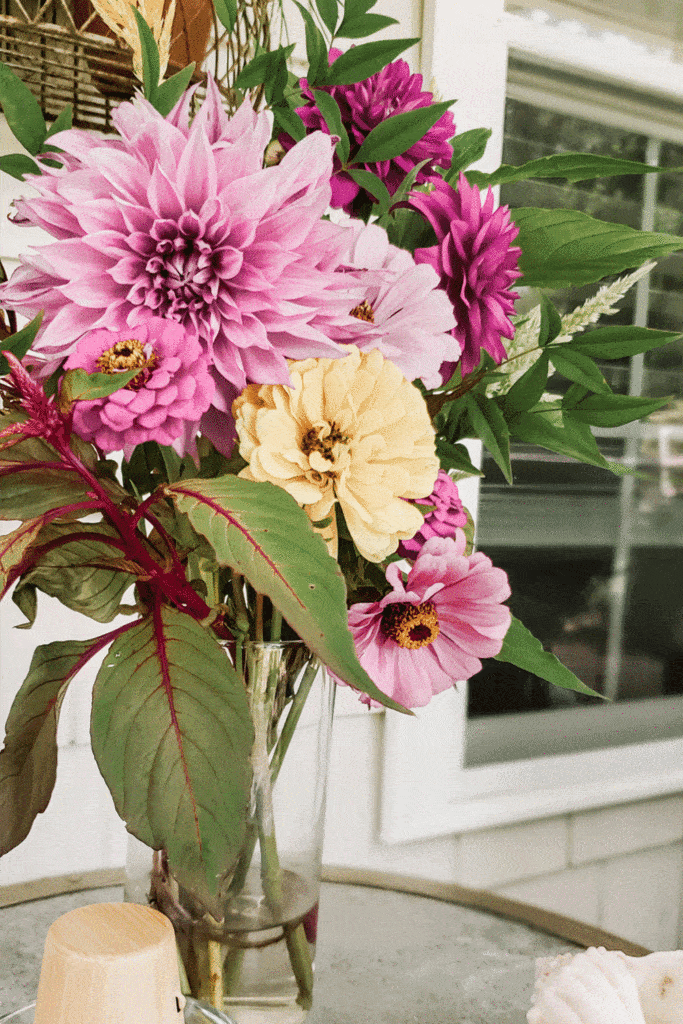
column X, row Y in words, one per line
column 350, row 430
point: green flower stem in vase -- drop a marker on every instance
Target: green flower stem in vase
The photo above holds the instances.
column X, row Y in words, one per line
column 256, row 965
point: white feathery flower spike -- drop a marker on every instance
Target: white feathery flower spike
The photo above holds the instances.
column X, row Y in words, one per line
column 119, row 17
column 523, row 350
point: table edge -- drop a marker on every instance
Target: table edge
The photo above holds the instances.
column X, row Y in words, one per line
column 547, row 921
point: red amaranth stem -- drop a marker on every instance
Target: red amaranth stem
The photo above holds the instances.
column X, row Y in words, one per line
column 174, row 584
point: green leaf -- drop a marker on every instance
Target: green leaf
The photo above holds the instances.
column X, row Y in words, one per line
column 62, row 122
column 571, row 166
column 170, row 91
column 356, row 8
column 79, row 386
column 467, row 148
column 615, row 410
column 372, row 184
column 172, row 735
column 521, row 648
column 329, row 108
column 366, row 25
column 619, row 342
column 329, row 12
column 26, row 600
column 260, row 531
column 79, row 569
column 28, row 761
column 455, row 456
column 290, row 122
column 408, row 230
column 316, row 47
column 396, row 134
column 26, row 492
column 551, row 322
column 150, row 465
column 18, row 164
column 527, row 391
column 404, row 188
column 362, row 61
column 13, row 549
column 22, row 111
column 151, row 69
column 19, row 344
column 260, row 67
column 489, row 424
column 579, row 368
column 226, row 12
column 563, row 248
column 568, row 438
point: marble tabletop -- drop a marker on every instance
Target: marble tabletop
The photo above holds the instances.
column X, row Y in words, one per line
column 384, row 957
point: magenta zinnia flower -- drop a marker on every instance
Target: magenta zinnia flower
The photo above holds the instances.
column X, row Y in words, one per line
column 400, row 308
column 428, row 633
column 445, row 518
column 477, row 264
column 185, row 223
column 163, row 403
column 363, row 106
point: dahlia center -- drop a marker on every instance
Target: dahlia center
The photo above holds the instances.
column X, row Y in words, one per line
column 364, row 311
column 129, row 355
column 411, row 625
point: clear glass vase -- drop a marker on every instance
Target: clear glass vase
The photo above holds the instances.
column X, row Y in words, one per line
column 256, row 965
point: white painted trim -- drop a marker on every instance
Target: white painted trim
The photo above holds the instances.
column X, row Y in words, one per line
column 427, row 791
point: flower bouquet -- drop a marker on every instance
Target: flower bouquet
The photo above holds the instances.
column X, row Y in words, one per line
column 268, row 321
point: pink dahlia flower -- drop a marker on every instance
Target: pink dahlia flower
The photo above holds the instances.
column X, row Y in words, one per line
column 185, row 223
column 400, row 308
column 363, row 106
column 446, row 517
column 433, row 630
column 163, row 403
column 477, row 264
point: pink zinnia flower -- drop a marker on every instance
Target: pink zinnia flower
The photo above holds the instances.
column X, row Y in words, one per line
column 446, row 517
column 433, row 630
column 185, row 223
column 363, row 106
column 402, row 310
column 163, row 403
column 477, row 264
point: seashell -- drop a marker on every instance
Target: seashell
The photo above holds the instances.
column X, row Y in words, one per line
column 659, row 977
column 594, row 987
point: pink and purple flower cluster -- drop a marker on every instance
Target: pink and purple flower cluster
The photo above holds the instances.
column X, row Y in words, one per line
column 363, row 106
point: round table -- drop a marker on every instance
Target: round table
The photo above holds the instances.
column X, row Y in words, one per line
column 391, row 950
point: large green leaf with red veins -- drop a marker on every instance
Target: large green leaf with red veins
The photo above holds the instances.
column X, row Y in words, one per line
column 172, row 735
column 260, row 531
column 28, row 761
column 13, row 548
column 26, row 493
column 75, row 564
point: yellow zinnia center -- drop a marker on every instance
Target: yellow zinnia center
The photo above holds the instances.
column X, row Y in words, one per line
column 411, row 625
column 129, row 355
column 364, row 312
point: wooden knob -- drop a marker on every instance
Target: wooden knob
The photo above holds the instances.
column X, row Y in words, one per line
column 110, row 963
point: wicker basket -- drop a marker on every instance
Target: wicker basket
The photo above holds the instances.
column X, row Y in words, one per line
column 66, row 54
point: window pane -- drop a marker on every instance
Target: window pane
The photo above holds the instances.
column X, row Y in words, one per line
column 595, row 559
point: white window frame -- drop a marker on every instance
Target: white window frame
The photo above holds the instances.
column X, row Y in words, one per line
column 427, row 789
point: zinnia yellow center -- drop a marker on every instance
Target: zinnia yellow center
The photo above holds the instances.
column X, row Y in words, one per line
column 129, row 355
column 364, row 312
column 411, row 625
